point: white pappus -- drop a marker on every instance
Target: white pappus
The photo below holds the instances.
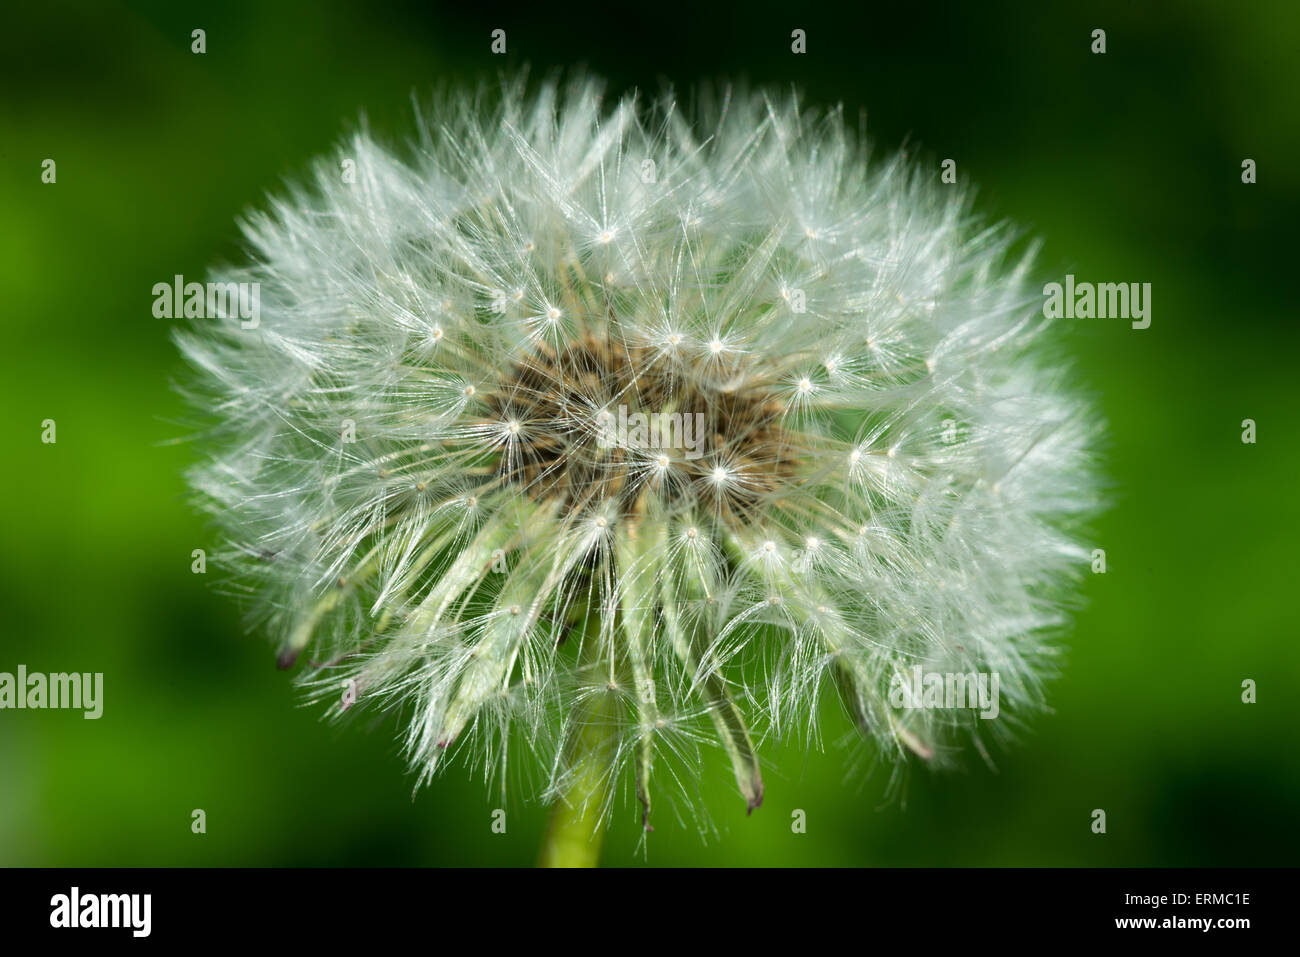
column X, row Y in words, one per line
column 410, row 454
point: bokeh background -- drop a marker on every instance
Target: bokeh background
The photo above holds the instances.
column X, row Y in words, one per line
column 1127, row 165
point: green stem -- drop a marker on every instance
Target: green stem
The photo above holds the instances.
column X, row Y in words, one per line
column 577, row 826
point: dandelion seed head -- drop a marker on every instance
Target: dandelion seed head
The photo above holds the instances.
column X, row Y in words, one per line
column 436, row 524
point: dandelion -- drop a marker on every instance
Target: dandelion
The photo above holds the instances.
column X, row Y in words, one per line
column 411, row 457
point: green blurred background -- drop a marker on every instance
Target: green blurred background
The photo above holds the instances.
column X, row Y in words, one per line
column 1127, row 164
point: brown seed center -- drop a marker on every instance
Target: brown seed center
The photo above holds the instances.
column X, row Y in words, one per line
column 598, row 421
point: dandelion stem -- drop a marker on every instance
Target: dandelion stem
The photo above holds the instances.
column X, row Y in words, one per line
column 577, row 826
